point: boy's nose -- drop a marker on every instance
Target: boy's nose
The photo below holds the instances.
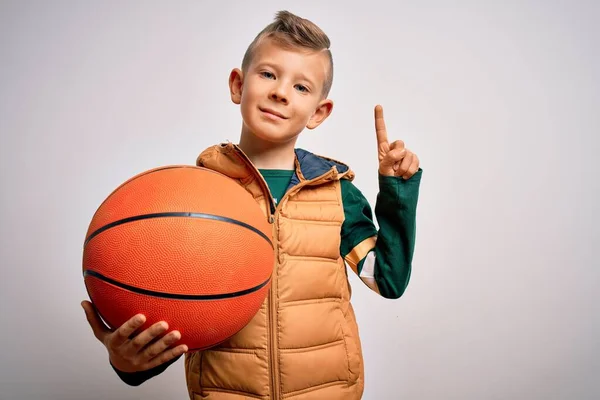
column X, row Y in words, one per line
column 278, row 94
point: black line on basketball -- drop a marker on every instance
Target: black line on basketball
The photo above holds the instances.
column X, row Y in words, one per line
column 177, row 214
column 176, row 295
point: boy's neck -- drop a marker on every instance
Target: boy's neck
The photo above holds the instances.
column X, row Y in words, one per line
column 269, row 155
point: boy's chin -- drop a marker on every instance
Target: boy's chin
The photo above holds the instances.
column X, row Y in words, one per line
column 272, row 138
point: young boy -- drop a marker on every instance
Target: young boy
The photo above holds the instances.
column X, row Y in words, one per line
column 303, row 343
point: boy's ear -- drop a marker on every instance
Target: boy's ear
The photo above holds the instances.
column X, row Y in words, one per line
column 236, row 82
column 321, row 113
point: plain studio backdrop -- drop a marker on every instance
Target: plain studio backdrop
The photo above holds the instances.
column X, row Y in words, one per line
column 499, row 99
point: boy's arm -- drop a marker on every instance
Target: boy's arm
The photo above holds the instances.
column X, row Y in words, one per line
column 137, row 378
column 381, row 258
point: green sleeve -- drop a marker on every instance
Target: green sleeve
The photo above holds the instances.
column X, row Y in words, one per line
column 358, row 218
column 137, row 378
column 395, row 211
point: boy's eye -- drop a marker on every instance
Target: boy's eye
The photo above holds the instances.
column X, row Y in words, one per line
column 302, row 88
column 267, row 74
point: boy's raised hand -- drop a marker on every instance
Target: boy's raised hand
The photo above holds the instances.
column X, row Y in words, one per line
column 140, row 352
column 394, row 158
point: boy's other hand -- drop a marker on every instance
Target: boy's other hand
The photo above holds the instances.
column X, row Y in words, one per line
column 394, row 158
column 141, row 352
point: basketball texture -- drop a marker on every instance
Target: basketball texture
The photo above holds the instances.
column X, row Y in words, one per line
column 182, row 244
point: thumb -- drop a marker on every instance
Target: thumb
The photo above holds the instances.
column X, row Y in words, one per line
column 100, row 330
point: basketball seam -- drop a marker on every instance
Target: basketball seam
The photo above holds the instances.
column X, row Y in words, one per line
column 176, row 296
column 177, row 214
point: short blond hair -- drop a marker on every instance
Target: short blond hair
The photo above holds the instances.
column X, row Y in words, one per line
column 289, row 31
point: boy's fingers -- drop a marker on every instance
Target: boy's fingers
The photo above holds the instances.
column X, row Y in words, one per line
column 393, row 156
column 100, row 330
column 122, row 334
column 161, row 345
column 148, row 335
column 168, row 355
column 414, row 167
column 397, row 144
column 404, row 165
column 380, row 129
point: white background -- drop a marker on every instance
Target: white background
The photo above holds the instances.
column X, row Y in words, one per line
column 499, row 99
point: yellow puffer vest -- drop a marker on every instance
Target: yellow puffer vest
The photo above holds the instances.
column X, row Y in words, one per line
column 303, row 343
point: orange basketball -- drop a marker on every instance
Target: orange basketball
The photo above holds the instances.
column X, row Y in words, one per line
column 182, row 244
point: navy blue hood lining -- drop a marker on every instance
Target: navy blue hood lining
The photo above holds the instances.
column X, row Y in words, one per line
column 313, row 166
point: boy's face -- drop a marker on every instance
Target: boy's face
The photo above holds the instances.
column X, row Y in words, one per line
column 281, row 92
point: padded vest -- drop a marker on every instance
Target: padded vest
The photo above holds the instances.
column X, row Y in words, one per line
column 303, row 343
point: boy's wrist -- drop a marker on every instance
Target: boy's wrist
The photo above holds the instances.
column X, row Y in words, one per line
column 386, row 180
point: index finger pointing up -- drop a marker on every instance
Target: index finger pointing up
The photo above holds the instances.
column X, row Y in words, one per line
column 380, row 126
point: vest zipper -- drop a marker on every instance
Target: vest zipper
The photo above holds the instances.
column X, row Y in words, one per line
column 273, row 345
column 273, row 303
column 261, row 180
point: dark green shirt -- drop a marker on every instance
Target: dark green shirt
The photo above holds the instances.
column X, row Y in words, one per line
column 278, row 181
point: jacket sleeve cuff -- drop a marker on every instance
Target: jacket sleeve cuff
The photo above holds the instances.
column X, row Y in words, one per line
column 398, row 186
column 137, row 378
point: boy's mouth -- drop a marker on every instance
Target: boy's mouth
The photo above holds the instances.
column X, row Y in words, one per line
column 272, row 113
